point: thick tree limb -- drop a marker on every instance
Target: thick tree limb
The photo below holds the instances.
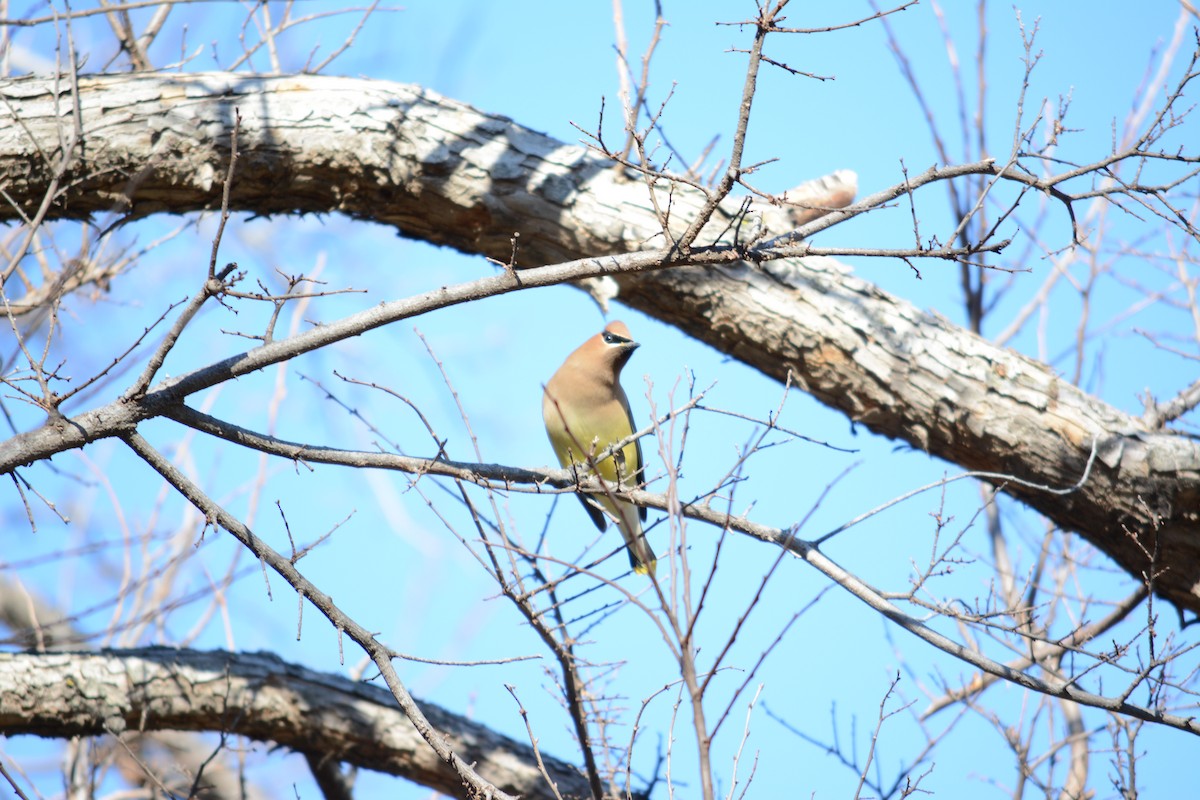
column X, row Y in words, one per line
column 441, row 171
column 913, row 376
column 167, row 757
column 260, row 696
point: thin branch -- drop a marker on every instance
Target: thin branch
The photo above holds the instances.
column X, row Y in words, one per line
column 379, row 654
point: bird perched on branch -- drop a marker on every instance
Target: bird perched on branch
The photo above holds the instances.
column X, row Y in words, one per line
column 586, row 412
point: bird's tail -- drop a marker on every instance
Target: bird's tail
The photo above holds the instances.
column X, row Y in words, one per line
column 641, row 557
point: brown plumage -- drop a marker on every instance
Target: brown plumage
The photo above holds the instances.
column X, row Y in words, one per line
column 586, row 411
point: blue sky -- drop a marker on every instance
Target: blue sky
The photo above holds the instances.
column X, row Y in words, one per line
column 392, row 563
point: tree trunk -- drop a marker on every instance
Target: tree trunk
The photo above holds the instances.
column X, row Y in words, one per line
column 441, row 171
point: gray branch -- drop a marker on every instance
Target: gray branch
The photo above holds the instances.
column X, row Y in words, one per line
column 262, row 697
column 443, row 172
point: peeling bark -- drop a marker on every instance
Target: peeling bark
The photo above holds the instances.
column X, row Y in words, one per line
column 441, row 171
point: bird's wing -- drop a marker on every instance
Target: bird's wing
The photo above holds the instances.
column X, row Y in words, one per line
column 598, row 516
column 635, row 474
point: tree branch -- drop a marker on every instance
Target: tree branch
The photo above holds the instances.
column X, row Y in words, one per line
column 471, row 180
column 260, row 696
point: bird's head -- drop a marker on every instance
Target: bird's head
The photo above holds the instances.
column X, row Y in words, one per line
column 614, row 345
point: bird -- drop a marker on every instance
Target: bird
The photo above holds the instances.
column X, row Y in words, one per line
column 586, row 412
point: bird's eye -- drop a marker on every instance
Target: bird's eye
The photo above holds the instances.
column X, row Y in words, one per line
column 612, row 338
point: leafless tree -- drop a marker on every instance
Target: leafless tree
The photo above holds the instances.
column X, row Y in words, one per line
column 1090, row 514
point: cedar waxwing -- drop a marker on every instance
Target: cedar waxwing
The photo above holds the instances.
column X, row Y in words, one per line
column 586, row 411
